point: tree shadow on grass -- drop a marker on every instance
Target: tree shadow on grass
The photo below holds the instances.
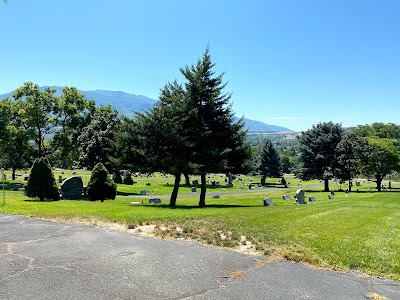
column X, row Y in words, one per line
column 207, row 206
column 128, row 194
column 37, row 200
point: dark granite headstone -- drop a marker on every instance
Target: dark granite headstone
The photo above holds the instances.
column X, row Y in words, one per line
column 155, row 200
column 268, row 202
column 312, row 199
column 72, row 188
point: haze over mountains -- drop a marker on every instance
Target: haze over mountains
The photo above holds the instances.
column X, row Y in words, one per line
column 126, row 104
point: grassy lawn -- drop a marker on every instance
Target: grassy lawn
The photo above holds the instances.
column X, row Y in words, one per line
column 358, row 232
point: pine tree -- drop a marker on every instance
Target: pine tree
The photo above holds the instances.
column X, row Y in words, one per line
column 101, row 186
column 209, row 126
column 268, row 161
column 41, row 183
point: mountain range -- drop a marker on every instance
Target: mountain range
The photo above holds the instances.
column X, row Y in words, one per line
column 126, row 104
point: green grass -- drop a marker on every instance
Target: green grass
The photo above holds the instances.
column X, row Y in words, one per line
column 358, row 232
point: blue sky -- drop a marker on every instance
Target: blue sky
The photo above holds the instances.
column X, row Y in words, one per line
column 287, row 63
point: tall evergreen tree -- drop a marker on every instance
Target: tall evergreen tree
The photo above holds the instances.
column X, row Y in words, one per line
column 209, row 125
column 161, row 134
column 268, row 161
column 318, row 152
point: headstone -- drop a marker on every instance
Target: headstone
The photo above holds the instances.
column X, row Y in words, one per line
column 217, row 182
column 268, row 202
column 213, row 183
column 194, row 190
column 60, row 180
column 148, row 184
column 144, row 192
column 312, row 199
column 135, row 203
column 286, row 197
column 17, row 186
column 330, row 196
column 250, row 186
column 26, row 178
column 216, row 196
column 72, row 188
column 195, row 182
column 155, row 201
column 299, row 196
column 230, row 179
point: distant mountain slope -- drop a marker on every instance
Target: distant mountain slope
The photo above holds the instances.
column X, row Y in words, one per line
column 257, row 126
column 126, row 104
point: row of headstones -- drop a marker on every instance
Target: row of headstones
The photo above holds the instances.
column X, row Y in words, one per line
column 299, row 196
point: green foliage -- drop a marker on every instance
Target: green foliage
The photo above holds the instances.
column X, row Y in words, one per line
column 268, row 163
column 117, row 178
column 74, row 113
column 317, row 152
column 101, row 186
column 378, row 129
column 217, row 142
column 382, row 158
column 37, row 110
column 128, row 179
column 41, row 183
column 351, row 154
column 95, row 141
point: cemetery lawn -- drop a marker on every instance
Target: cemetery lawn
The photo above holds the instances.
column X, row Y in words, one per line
column 359, row 232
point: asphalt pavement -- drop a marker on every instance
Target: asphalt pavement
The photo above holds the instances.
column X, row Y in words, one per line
column 41, row 259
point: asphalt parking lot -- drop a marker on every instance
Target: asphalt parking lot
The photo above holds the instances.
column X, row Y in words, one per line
column 41, row 259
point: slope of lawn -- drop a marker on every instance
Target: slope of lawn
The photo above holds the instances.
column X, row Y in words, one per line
column 358, row 232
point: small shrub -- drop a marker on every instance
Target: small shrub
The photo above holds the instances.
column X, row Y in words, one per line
column 117, row 177
column 41, row 183
column 128, row 179
column 101, row 186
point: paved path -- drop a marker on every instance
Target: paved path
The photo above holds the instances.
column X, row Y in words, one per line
column 46, row 260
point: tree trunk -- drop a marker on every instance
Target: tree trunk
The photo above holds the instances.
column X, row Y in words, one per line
column 326, row 184
column 263, row 180
column 378, row 183
column 174, row 195
column 187, row 179
column 349, row 185
column 202, row 201
column 13, row 173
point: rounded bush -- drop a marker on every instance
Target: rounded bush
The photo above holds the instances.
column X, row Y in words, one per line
column 117, row 177
column 41, row 183
column 128, row 179
column 101, row 186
